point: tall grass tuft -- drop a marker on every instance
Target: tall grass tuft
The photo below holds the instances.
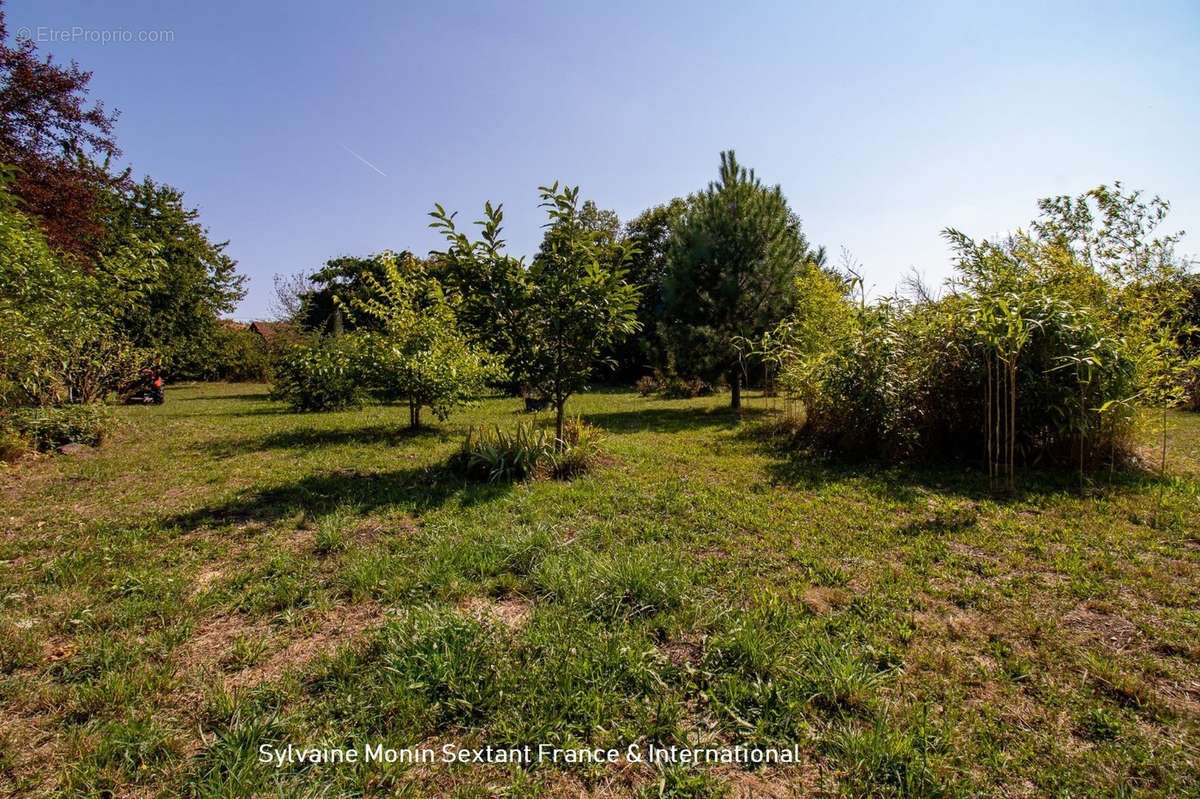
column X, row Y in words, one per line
column 496, row 454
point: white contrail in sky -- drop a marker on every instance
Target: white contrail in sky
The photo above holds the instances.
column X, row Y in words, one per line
column 365, row 161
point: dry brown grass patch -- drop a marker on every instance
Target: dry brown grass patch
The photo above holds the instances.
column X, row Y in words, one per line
column 511, row 611
column 794, row 782
column 821, row 599
column 213, row 638
column 337, row 626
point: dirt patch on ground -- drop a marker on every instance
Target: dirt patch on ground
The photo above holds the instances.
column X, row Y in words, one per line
column 683, row 651
column 1182, row 697
column 971, row 552
column 300, row 541
column 619, row 779
column 1114, row 632
column 953, row 622
column 336, row 627
column 213, row 638
column 35, row 754
column 512, row 612
column 206, row 578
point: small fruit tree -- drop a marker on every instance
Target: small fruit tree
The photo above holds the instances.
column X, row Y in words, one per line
column 419, row 356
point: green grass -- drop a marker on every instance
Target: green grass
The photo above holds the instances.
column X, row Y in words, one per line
column 223, row 574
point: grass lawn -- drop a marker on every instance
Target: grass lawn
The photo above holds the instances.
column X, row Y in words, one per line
column 223, row 575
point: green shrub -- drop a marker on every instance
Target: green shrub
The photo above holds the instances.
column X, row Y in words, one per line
column 47, row 428
column 583, row 450
column 238, row 355
column 12, row 444
column 496, row 454
column 646, row 385
column 57, row 315
column 420, row 357
column 924, row 379
column 321, row 374
column 685, row 388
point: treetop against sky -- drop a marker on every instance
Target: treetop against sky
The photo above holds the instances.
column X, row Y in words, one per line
column 307, row 132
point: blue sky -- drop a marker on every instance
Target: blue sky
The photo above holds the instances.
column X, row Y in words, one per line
column 884, row 122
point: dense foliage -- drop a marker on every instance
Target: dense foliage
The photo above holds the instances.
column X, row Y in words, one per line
column 322, row 298
column 731, row 267
column 1042, row 348
column 47, row 428
column 418, row 356
column 59, row 144
column 101, row 277
column 649, row 237
column 177, row 315
column 322, row 374
column 554, row 319
column 238, row 355
column 57, row 319
column 496, row 454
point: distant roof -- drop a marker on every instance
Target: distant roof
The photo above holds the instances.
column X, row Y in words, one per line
column 269, row 329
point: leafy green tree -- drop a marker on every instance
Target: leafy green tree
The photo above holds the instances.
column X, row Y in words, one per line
column 553, row 320
column 1189, row 338
column 602, row 221
column 579, row 302
column 335, row 287
column 418, row 356
column 321, row 373
column 732, row 267
column 490, row 285
column 60, row 144
column 176, row 315
column 649, row 236
column 1115, row 232
column 57, row 319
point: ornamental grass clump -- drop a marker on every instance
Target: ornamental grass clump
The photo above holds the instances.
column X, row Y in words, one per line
column 496, row 454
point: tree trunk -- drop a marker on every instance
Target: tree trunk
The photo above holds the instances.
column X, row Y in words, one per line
column 735, row 385
column 560, row 404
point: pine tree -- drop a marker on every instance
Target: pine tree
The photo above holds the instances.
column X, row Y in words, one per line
column 732, row 266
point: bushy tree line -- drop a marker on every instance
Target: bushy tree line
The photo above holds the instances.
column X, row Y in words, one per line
column 432, row 333
column 1042, row 347
column 703, row 272
column 58, row 316
column 100, row 275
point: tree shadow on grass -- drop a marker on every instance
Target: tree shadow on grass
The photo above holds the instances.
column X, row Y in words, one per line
column 803, row 464
column 415, row 490
column 907, row 482
column 309, row 438
column 671, row 420
column 263, row 397
column 898, row 483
